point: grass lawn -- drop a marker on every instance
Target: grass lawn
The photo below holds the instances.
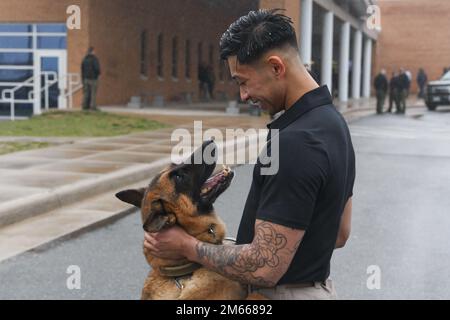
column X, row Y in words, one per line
column 8, row 147
column 77, row 124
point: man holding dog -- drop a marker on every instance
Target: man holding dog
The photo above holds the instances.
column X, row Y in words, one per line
column 295, row 218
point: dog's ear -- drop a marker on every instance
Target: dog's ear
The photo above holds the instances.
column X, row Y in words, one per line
column 158, row 217
column 132, row 196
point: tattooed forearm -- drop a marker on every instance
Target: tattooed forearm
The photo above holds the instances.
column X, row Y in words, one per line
column 258, row 263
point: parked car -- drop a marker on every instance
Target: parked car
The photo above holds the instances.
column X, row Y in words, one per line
column 437, row 92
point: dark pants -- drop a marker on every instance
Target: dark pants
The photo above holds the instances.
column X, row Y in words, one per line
column 402, row 100
column 89, row 94
column 393, row 99
column 211, row 89
column 381, row 96
column 421, row 91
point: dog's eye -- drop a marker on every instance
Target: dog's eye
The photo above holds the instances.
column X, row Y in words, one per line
column 178, row 177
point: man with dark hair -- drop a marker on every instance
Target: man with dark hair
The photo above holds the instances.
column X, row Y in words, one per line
column 403, row 87
column 381, row 86
column 90, row 70
column 294, row 218
column 393, row 92
column 421, row 82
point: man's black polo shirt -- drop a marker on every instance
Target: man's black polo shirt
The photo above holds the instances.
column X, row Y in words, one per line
column 314, row 181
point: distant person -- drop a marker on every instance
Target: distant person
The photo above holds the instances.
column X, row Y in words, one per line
column 202, row 80
column 393, row 92
column 381, row 87
column 409, row 75
column 446, row 69
column 403, row 86
column 210, row 80
column 90, row 71
column 421, row 82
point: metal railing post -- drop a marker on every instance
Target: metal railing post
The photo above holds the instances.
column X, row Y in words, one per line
column 70, row 91
column 46, row 81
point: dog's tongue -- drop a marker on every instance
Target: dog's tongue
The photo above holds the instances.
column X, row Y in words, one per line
column 215, row 179
column 211, row 182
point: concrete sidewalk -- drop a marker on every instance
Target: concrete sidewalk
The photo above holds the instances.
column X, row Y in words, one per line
column 50, row 193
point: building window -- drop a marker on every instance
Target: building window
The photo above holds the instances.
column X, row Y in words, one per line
column 160, row 64
column 175, row 57
column 187, row 60
column 15, row 27
column 16, row 42
column 144, row 55
column 51, row 42
column 19, row 46
column 51, row 27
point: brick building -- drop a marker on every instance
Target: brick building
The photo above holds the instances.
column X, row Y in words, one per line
column 147, row 48
column 415, row 34
column 152, row 50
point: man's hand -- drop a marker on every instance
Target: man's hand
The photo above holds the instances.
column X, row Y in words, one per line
column 169, row 243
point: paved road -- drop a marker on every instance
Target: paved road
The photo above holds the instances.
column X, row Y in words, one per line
column 400, row 225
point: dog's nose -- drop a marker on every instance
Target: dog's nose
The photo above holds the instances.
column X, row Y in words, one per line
column 208, row 142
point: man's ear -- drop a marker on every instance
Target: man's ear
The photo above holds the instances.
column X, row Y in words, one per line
column 132, row 196
column 277, row 66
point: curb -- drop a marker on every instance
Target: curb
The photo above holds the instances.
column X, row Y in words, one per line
column 115, row 216
column 76, row 233
column 23, row 208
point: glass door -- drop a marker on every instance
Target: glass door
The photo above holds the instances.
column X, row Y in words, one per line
column 52, row 68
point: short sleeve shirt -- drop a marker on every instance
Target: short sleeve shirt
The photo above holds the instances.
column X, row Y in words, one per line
column 313, row 151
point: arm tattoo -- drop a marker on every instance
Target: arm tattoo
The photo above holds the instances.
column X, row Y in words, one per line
column 243, row 262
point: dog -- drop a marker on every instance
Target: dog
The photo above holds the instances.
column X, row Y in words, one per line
column 184, row 194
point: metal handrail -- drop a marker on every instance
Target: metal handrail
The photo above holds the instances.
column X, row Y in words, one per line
column 73, row 85
column 11, row 98
column 26, row 83
column 48, row 83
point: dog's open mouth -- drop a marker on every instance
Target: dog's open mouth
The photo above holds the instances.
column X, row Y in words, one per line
column 216, row 184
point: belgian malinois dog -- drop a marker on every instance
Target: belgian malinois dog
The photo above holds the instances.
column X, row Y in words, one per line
column 184, row 194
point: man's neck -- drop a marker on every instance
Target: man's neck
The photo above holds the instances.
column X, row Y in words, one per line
column 298, row 88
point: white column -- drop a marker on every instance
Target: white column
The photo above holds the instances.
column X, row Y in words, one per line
column 367, row 67
column 344, row 62
column 327, row 51
column 306, row 31
column 356, row 65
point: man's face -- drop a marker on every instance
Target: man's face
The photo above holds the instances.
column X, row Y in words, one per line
column 258, row 84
